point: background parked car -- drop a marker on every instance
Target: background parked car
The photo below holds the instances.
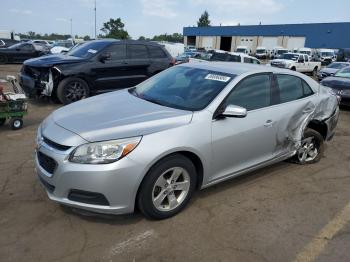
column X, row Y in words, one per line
column 7, row 42
column 93, row 67
column 61, row 45
column 20, row 52
column 343, row 55
column 219, row 55
column 340, row 83
column 331, row 69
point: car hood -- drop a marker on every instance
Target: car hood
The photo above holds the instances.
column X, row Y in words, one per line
column 337, row 82
column 328, row 70
column 50, row 60
column 118, row 115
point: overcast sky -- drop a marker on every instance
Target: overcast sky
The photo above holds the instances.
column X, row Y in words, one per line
column 150, row 17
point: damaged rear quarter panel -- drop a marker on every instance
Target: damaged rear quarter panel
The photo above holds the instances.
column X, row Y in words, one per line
column 295, row 116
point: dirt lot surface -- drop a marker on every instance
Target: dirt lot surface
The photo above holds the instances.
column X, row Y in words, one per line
column 285, row 212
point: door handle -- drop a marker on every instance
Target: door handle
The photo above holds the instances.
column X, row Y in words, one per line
column 268, row 123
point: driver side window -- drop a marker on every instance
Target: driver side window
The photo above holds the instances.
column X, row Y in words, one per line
column 252, row 92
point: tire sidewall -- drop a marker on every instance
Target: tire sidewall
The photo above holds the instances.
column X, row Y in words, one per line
column 60, row 92
column 145, row 202
column 319, row 141
column 12, row 123
column 3, row 59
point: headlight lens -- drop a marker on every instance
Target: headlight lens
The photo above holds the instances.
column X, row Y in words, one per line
column 104, row 152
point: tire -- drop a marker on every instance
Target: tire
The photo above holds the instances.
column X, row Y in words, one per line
column 314, row 72
column 158, row 197
column 316, row 148
column 72, row 89
column 2, row 121
column 16, row 123
column 3, row 59
column 293, row 69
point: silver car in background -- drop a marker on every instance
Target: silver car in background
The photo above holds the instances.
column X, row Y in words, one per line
column 186, row 128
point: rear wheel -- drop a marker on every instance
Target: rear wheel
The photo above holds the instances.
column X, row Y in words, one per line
column 72, row 89
column 2, row 121
column 314, row 72
column 3, row 59
column 16, row 123
column 167, row 187
column 293, row 68
column 311, row 149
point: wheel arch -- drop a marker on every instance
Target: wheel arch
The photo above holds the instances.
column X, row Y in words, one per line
column 318, row 126
column 194, row 158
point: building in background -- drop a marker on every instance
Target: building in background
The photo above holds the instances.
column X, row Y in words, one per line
column 289, row 36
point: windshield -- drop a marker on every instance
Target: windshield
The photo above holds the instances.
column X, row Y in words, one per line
column 337, row 65
column 293, row 57
column 305, row 52
column 260, row 51
column 64, row 44
column 345, row 72
column 327, row 54
column 183, row 87
column 282, row 51
column 88, row 50
column 241, row 50
column 16, row 46
column 225, row 57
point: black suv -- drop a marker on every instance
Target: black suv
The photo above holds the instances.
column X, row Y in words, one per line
column 94, row 67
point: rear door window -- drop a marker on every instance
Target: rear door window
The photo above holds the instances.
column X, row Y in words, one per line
column 137, row 52
column 292, row 88
column 156, row 52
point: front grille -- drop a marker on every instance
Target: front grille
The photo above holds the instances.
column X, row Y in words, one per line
column 88, row 197
column 36, row 73
column 55, row 145
column 47, row 185
column 47, row 163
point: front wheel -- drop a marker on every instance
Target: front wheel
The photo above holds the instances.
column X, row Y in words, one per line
column 3, row 59
column 16, row 123
column 167, row 187
column 72, row 89
column 311, row 149
column 314, row 72
column 2, row 121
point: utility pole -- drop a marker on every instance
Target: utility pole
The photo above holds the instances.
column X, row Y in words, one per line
column 71, row 28
column 95, row 19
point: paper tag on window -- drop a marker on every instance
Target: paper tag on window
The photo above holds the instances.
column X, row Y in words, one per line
column 93, row 51
column 220, row 78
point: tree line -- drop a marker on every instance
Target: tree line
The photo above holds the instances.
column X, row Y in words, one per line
column 114, row 28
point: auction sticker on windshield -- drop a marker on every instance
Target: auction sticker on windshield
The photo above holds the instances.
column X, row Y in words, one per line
column 93, row 51
column 220, row 78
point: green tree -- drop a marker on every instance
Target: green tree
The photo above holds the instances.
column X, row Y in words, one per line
column 176, row 37
column 204, row 20
column 114, row 28
column 142, row 38
column 31, row 34
column 86, row 38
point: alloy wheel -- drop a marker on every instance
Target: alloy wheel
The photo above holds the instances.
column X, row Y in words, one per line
column 171, row 189
column 75, row 91
column 308, row 150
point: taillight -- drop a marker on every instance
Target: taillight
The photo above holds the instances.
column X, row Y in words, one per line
column 173, row 61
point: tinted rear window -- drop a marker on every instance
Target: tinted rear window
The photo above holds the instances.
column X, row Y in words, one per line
column 156, row 52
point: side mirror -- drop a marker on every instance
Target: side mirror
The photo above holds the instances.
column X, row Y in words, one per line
column 234, row 111
column 104, row 57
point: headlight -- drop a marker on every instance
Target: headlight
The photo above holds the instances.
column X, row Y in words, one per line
column 104, row 152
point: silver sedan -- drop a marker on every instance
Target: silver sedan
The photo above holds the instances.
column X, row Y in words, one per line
column 186, row 128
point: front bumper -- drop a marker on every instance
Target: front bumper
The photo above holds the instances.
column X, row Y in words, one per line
column 28, row 84
column 331, row 124
column 118, row 182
